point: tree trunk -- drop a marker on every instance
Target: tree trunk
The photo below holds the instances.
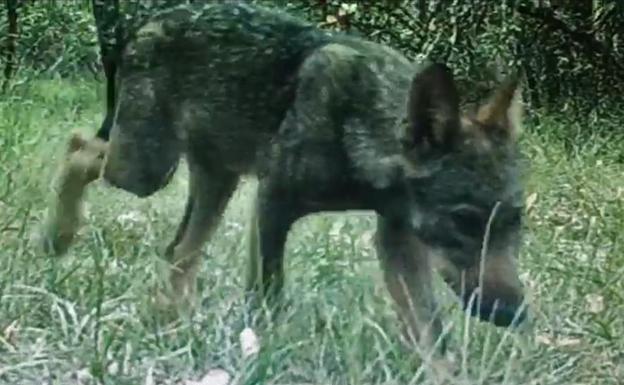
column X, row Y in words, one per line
column 11, row 44
column 110, row 34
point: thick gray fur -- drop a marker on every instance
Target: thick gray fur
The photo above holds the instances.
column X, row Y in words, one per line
column 326, row 122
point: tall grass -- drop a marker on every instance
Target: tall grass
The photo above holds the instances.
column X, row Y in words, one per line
column 87, row 318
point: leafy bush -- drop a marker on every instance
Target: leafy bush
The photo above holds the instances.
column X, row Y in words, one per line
column 55, row 37
column 570, row 52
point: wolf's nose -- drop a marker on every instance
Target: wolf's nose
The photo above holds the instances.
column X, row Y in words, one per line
column 501, row 314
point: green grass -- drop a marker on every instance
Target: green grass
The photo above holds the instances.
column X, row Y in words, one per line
column 86, row 318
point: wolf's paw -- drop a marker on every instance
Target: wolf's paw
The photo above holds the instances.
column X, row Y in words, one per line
column 54, row 238
column 443, row 369
column 174, row 300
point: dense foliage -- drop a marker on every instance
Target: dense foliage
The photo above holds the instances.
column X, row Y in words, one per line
column 572, row 53
column 565, row 49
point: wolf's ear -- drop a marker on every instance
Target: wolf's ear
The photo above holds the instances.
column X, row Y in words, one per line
column 504, row 109
column 433, row 107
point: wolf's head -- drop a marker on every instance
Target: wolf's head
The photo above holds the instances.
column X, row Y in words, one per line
column 462, row 173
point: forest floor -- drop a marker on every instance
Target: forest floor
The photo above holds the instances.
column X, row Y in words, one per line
column 86, row 318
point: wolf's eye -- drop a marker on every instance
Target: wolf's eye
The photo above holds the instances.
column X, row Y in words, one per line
column 514, row 218
column 468, row 221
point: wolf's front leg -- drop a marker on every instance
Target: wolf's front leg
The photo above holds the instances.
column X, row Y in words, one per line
column 210, row 190
column 272, row 217
column 407, row 273
column 82, row 165
column 188, row 209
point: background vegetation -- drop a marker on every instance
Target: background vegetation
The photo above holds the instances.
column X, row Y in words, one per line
column 86, row 318
column 572, row 52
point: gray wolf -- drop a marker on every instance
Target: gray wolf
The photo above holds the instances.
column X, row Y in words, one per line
column 326, row 122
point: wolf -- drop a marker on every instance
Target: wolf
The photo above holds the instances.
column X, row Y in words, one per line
column 325, row 122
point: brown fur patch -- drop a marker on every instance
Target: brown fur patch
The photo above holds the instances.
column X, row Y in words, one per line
column 504, row 110
column 81, row 166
